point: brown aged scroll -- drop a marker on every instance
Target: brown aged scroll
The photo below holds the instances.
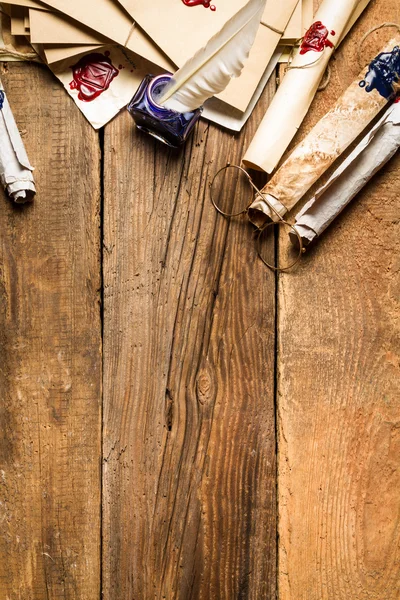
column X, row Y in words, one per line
column 332, row 135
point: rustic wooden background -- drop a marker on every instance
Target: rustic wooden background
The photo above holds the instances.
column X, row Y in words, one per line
column 176, row 421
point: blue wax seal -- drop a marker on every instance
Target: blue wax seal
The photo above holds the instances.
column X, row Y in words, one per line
column 383, row 72
column 1, row 99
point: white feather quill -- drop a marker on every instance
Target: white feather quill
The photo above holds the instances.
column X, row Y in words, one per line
column 210, row 70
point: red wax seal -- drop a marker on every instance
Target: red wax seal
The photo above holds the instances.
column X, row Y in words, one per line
column 316, row 39
column 205, row 3
column 93, row 75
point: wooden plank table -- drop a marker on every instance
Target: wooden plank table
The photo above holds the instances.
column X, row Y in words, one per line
column 176, row 421
column 50, row 353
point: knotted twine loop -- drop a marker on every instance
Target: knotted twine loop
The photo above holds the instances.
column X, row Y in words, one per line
column 20, row 55
column 368, row 33
column 298, row 44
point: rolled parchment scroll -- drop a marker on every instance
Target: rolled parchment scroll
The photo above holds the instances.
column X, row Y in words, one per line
column 300, row 84
column 370, row 155
column 332, row 135
column 15, row 168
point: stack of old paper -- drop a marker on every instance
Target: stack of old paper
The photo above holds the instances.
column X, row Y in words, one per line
column 101, row 49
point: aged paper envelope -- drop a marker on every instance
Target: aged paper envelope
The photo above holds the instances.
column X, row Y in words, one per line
column 110, row 20
column 98, row 14
column 27, row 3
column 276, row 14
column 103, row 85
column 294, row 29
column 219, row 112
column 54, row 28
column 180, row 31
column 18, row 20
column 54, row 53
column 308, row 14
column 104, row 16
column 241, row 90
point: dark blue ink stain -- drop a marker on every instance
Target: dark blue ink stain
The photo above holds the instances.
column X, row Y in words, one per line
column 382, row 73
column 1, row 99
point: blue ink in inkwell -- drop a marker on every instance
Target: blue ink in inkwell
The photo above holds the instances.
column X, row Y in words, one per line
column 168, row 126
column 383, row 72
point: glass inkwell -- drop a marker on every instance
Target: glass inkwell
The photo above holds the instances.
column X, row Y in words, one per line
column 168, row 126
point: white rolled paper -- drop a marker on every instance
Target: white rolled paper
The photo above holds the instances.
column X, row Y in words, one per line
column 15, row 168
column 370, row 155
column 299, row 86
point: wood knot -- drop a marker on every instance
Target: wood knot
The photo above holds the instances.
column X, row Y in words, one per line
column 204, row 387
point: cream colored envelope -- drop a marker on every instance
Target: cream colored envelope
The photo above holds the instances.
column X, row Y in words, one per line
column 241, row 89
column 181, row 30
column 307, row 18
column 219, row 112
column 18, row 20
column 178, row 29
column 108, row 18
column 55, row 54
column 294, row 29
column 55, row 28
column 308, row 15
column 129, row 72
column 27, row 3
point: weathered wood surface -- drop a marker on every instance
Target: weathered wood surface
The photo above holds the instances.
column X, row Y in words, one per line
column 338, row 386
column 50, row 353
column 189, row 439
column 189, row 506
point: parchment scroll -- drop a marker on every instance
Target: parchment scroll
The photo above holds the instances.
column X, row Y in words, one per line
column 332, row 135
column 370, row 155
column 15, row 168
column 300, row 84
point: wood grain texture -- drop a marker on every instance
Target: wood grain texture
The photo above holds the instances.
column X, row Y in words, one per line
column 189, row 442
column 338, row 386
column 50, row 355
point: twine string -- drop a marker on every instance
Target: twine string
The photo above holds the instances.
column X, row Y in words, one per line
column 273, row 28
column 20, row 55
column 370, row 32
column 130, row 32
column 325, row 83
column 306, row 66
